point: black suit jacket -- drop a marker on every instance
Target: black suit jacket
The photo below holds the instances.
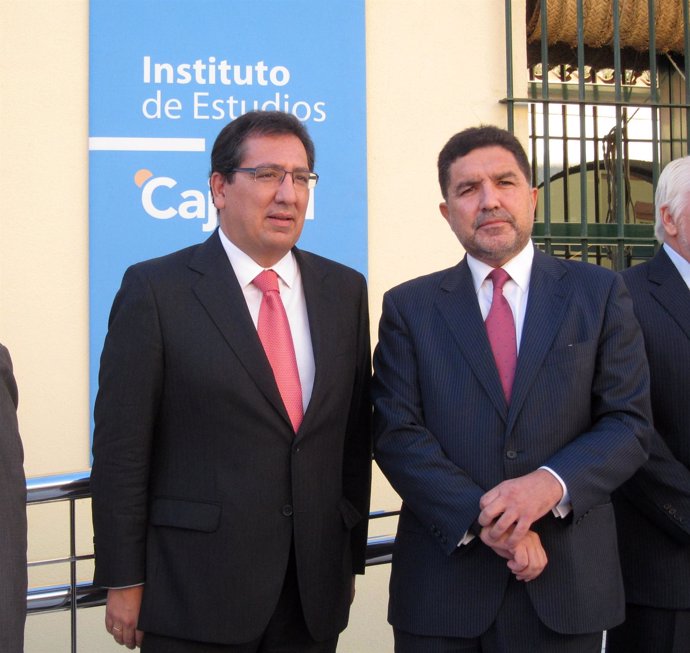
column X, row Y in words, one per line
column 12, row 516
column 200, row 486
column 444, row 436
column 653, row 508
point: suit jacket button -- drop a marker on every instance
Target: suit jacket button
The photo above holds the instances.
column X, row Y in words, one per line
column 287, row 511
column 512, row 455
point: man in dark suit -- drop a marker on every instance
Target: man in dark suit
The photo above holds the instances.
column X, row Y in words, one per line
column 505, row 462
column 12, row 516
column 227, row 515
column 653, row 508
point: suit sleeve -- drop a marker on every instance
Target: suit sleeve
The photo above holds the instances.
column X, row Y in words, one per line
column 600, row 459
column 661, row 491
column 12, row 514
column 357, row 458
column 441, row 495
column 129, row 391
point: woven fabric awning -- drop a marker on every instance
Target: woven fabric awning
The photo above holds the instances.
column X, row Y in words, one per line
column 598, row 23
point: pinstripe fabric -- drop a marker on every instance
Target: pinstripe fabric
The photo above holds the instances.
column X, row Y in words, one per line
column 444, row 436
column 12, row 516
column 655, row 533
column 516, row 612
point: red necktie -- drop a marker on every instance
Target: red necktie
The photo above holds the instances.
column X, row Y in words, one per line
column 500, row 328
column 274, row 332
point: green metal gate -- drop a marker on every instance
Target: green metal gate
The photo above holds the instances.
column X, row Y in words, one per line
column 606, row 113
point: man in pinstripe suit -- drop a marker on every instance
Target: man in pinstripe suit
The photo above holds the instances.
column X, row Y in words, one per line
column 653, row 508
column 507, row 537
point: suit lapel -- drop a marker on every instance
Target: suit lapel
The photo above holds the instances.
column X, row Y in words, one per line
column 546, row 307
column 221, row 296
column 321, row 304
column 457, row 303
column 669, row 289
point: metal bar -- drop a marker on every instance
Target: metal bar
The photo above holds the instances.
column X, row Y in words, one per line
column 597, row 166
column 566, row 166
column 58, row 488
column 509, row 64
column 654, row 93
column 604, row 103
column 686, row 21
column 73, row 573
column 545, row 121
column 533, row 132
column 618, row 135
column 59, row 561
column 602, row 233
column 583, row 126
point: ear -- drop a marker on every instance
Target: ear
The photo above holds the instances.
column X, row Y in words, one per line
column 443, row 207
column 217, row 184
column 534, row 196
column 667, row 220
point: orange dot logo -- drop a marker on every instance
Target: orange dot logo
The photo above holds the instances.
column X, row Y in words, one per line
column 142, row 176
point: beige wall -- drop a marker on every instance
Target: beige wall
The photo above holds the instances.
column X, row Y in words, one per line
column 433, row 68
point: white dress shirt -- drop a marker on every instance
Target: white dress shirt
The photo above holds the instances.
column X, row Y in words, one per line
column 292, row 295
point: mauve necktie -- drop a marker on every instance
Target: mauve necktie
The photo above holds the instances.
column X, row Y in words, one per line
column 274, row 332
column 500, row 328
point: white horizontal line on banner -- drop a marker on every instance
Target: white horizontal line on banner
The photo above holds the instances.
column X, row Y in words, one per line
column 132, row 144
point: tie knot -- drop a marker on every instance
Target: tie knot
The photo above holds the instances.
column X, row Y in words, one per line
column 498, row 277
column 267, row 280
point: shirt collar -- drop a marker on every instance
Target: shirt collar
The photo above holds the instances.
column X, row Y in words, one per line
column 519, row 268
column 246, row 268
column 681, row 264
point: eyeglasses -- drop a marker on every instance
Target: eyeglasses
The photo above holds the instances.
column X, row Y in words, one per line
column 274, row 176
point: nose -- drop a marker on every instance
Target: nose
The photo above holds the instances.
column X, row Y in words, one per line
column 489, row 197
column 286, row 192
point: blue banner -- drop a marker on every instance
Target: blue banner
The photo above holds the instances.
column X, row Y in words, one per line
column 167, row 75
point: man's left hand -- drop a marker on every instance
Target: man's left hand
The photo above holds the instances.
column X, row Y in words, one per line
column 517, row 503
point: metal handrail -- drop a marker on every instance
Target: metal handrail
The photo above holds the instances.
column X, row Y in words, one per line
column 73, row 487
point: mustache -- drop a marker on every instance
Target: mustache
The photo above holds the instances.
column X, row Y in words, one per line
column 492, row 216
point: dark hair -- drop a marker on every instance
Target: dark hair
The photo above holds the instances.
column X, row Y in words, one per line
column 474, row 138
column 228, row 150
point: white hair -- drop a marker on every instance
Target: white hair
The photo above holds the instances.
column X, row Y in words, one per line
column 672, row 191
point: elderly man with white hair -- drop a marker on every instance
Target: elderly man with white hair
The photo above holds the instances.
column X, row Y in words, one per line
column 653, row 508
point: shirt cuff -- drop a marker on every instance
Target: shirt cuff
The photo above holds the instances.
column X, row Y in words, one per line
column 563, row 507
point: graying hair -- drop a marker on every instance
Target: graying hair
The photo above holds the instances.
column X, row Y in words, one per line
column 672, row 191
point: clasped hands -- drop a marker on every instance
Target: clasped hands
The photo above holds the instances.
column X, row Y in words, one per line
column 507, row 514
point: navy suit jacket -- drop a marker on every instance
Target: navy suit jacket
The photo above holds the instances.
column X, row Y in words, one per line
column 200, row 486
column 444, row 436
column 653, row 508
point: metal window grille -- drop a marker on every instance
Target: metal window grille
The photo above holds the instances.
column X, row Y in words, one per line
column 606, row 113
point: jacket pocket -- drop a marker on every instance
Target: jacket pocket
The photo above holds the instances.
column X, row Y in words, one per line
column 182, row 513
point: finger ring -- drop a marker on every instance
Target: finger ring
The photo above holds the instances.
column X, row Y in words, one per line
column 116, row 628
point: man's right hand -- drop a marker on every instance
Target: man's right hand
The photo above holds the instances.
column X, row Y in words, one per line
column 122, row 614
column 526, row 559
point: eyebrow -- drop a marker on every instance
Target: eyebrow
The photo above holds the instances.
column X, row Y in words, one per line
column 277, row 165
column 466, row 183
